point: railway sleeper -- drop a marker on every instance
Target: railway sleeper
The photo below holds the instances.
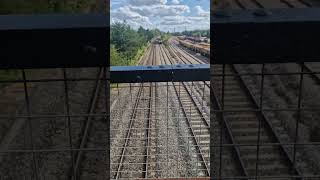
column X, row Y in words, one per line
column 281, row 172
column 248, row 132
column 201, row 126
column 242, row 115
column 219, row 68
column 252, row 139
column 200, row 131
column 206, row 157
column 244, row 123
column 236, row 105
column 217, row 82
column 263, row 157
column 235, row 98
column 229, row 168
column 233, row 93
column 250, row 122
column 268, row 149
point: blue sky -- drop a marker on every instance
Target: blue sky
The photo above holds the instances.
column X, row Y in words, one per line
column 166, row 15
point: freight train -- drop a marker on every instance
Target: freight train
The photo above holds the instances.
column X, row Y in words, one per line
column 202, row 48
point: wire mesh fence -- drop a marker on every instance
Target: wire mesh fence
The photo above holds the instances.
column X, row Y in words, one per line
column 54, row 124
column 160, row 130
column 263, row 123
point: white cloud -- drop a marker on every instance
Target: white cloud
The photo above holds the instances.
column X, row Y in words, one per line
column 175, row 20
column 175, row 2
column 160, row 10
column 171, row 16
column 184, row 20
column 131, row 17
column 201, row 11
column 147, row 2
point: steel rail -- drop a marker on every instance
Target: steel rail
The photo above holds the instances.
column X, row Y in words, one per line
column 230, row 135
column 313, row 76
column 199, row 61
column 132, row 119
column 148, row 126
column 264, row 117
column 86, row 127
column 225, row 124
column 267, row 122
column 270, row 127
column 198, row 109
column 307, row 4
column 128, row 134
column 197, row 146
column 257, row 3
column 148, row 134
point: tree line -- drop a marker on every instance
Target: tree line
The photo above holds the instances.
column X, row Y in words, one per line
column 195, row 33
column 127, row 44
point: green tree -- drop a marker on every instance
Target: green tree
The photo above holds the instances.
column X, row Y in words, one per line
column 129, row 43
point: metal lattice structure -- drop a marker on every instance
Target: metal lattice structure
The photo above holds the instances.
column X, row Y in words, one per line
column 262, row 123
column 263, row 74
column 54, row 121
column 160, row 117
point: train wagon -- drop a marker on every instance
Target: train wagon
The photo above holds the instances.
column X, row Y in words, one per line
column 202, row 48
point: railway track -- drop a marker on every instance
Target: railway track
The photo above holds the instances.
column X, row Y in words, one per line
column 197, row 120
column 245, row 129
column 253, row 128
column 250, row 137
column 59, row 133
column 231, row 168
column 138, row 161
column 254, row 139
column 77, row 157
column 303, row 167
column 249, row 128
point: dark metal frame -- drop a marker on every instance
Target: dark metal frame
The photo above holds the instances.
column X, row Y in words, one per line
column 260, row 37
column 80, row 41
column 54, row 41
column 163, row 73
column 58, row 41
column 265, row 35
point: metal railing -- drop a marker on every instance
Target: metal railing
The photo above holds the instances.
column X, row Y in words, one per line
column 263, row 71
column 252, row 135
column 54, row 101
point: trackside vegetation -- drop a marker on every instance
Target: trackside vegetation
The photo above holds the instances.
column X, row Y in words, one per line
column 165, row 37
column 202, row 33
column 128, row 45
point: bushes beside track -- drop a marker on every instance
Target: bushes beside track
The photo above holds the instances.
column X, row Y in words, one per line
column 128, row 45
column 165, row 38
